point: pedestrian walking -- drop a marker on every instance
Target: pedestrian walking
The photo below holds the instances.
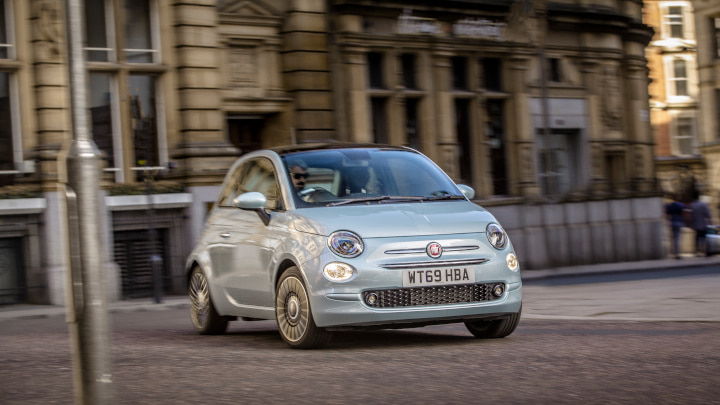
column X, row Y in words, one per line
column 674, row 211
column 699, row 220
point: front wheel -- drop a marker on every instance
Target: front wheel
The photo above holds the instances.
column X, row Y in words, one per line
column 202, row 311
column 494, row 329
column 294, row 317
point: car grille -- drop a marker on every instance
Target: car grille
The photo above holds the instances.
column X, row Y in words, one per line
column 439, row 295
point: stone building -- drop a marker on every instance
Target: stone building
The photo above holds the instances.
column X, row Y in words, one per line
column 542, row 107
column 707, row 28
column 674, row 96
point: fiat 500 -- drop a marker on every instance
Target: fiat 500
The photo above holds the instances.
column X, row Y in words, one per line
column 334, row 237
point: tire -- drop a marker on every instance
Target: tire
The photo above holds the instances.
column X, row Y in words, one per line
column 202, row 311
column 294, row 315
column 494, row 329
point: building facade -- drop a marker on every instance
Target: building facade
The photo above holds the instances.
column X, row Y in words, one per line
column 707, row 26
column 541, row 107
column 674, row 96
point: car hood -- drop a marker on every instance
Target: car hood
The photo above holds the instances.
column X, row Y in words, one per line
column 396, row 219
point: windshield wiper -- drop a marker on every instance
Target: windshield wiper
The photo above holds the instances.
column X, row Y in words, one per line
column 444, row 197
column 376, row 199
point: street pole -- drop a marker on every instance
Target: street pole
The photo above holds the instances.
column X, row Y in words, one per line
column 88, row 316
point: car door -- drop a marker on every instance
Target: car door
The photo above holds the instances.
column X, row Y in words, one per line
column 245, row 245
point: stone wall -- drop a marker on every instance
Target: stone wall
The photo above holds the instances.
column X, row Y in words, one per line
column 576, row 233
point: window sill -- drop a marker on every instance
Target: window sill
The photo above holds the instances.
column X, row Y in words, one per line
column 140, row 202
column 22, row 206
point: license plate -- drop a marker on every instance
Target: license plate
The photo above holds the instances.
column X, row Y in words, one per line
column 430, row 277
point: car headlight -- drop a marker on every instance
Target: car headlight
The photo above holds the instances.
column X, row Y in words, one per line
column 345, row 244
column 496, row 236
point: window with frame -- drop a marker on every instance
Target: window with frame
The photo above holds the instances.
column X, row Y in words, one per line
column 9, row 154
column 459, row 73
column 131, row 27
column 137, row 35
column 673, row 22
column 408, row 70
column 464, row 135
column 679, row 79
column 495, row 132
column 143, row 120
column 560, row 165
column 412, row 133
column 492, row 74
column 10, row 142
column 378, row 107
column 684, row 136
column 375, row 70
column 554, row 70
column 102, row 108
column 7, row 48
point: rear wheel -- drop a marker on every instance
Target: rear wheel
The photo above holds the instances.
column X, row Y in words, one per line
column 494, row 329
column 202, row 311
column 294, row 316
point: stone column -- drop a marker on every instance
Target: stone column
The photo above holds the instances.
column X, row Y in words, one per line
column 202, row 149
column 53, row 130
column 444, row 113
column 357, row 99
column 427, row 119
column 594, row 128
column 307, row 69
column 396, row 102
column 51, row 88
column 521, row 132
column 638, row 124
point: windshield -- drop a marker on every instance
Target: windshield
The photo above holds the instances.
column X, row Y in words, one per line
column 366, row 176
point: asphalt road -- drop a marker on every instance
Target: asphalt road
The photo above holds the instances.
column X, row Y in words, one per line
column 577, row 356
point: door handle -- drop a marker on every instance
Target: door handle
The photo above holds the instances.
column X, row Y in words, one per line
column 225, row 235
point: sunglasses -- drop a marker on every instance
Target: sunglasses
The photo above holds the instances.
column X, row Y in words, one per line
column 298, row 176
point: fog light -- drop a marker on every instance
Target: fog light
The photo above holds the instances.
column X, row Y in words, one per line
column 512, row 262
column 498, row 290
column 338, row 272
column 372, row 299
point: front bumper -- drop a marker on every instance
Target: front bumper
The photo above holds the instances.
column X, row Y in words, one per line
column 348, row 310
column 381, row 268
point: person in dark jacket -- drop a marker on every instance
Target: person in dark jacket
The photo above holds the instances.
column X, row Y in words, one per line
column 674, row 212
column 699, row 220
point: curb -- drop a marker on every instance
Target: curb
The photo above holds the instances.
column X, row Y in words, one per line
column 29, row 311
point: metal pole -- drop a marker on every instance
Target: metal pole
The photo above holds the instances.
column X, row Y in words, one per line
column 89, row 323
column 156, row 260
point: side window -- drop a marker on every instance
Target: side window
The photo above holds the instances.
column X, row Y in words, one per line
column 256, row 175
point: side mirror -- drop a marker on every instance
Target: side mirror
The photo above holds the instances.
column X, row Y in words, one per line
column 467, row 191
column 250, row 201
column 253, row 201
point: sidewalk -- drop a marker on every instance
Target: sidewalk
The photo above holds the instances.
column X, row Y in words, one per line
column 543, row 309
column 624, row 267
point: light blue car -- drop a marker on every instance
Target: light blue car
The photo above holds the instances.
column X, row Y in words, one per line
column 336, row 236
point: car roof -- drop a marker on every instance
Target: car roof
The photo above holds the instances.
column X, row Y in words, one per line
column 282, row 150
